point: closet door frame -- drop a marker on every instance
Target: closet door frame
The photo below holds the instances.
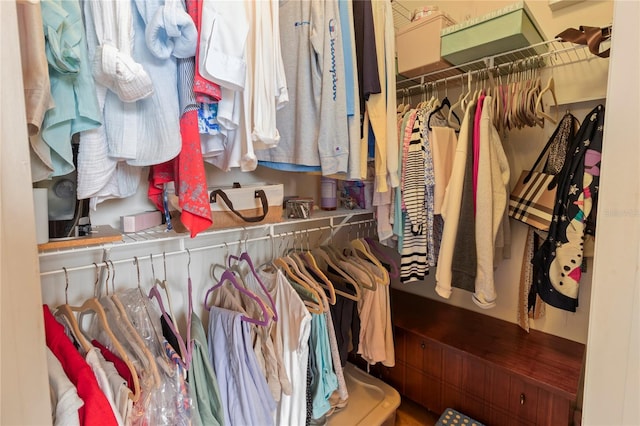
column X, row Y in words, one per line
column 612, row 388
column 24, row 384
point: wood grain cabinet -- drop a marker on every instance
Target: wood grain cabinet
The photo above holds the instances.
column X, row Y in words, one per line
column 488, row 369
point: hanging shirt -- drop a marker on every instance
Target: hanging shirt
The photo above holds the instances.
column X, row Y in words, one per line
column 381, row 107
column 413, row 262
column 376, row 338
column 451, row 204
column 35, row 72
column 206, row 91
column 96, row 409
column 118, row 363
column 37, row 88
column 121, row 404
column 65, row 400
column 491, row 203
column 203, row 379
column 72, row 86
column 365, row 47
column 313, row 125
column 245, row 396
column 355, row 172
column 429, row 195
column 324, row 380
column 152, row 123
column 343, row 393
column 97, row 366
column 293, row 327
column 443, row 143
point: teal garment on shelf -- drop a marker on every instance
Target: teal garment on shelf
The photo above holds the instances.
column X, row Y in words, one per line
column 72, row 85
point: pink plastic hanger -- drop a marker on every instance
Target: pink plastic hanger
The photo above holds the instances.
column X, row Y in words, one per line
column 227, row 275
column 245, row 256
column 186, row 357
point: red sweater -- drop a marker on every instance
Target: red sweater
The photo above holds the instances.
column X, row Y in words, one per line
column 96, row 410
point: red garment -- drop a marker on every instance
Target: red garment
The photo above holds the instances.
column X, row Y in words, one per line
column 96, row 410
column 187, row 170
column 206, row 91
column 120, row 365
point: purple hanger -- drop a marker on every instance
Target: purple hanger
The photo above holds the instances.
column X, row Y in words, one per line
column 227, row 275
column 373, row 245
column 245, row 256
column 154, row 293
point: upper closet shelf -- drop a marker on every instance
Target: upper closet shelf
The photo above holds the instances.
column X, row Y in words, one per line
column 158, row 240
column 547, row 53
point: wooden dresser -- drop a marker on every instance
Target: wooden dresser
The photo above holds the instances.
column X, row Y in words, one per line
column 486, row 368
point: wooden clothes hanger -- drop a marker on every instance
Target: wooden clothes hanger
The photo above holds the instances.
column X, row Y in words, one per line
column 311, row 298
column 550, row 87
column 445, row 103
column 164, row 284
column 400, row 107
column 325, row 262
column 350, row 262
column 457, row 104
column 148, row 359
column 304, row 279
column 93, row 305
column 183, row 344
column 301, row 269
column 360, row 246
column 132, row 336
column 120, row 323
column 394, row 272
column 283, row 264
column 337, row 256
column 311, row 265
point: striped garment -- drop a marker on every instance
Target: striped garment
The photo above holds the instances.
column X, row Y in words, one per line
column 413, row 263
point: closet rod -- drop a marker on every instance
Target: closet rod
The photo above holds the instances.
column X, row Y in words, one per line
column 499, row 61
column 209, row 247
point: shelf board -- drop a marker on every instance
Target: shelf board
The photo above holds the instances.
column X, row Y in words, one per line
column 105, row 236
column 100, row 234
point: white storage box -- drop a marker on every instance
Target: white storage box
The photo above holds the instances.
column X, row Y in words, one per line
column 253, row 204
column 418, row 45
column 371, row 401
column 243, row 205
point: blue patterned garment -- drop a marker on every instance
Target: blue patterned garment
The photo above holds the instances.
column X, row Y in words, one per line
column 208, row 119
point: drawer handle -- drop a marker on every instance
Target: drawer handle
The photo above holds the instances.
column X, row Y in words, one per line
column 521, row 399
column 422, row 345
